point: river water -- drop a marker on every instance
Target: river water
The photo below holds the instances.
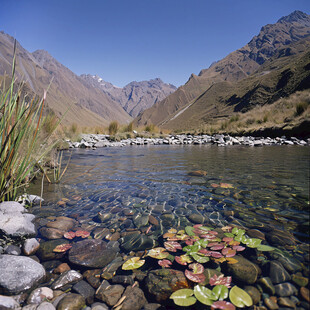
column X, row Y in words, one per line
column 180, row 185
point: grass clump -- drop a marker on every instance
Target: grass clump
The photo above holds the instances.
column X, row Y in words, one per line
column 113, row 128
column 301, row 107
column 20, row 126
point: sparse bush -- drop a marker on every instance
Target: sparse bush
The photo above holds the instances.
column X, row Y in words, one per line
column 149, row 128
column 234, row 118
column 265, row 119
column 250, row 121
column 113, row 128
column 73, row 128
column 129, row 127
column 301, row 107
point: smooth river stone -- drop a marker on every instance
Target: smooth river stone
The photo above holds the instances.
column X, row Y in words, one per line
column 135, row 299
column 285, row 289
column 163, row 282
column 45, row 251
column 93, row 253
column 62, row 223
column 140, row 220
column 19, row 273
column 68, row 277
column 277, row 273
column 137, row 242
column 51, row 233
column 30, row 246
column 244, row 270
column 71, row 302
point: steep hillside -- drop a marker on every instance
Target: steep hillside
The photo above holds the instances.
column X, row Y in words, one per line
column 233, row 68
column 278, row 77
column 68, row 96
column 134, row 97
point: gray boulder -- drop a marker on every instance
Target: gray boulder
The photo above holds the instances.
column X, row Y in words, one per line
column 19, row 273
column 15, row 221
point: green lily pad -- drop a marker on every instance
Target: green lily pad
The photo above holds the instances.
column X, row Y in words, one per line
column 190, row 231
column 183, row 297
column 202, row 243
column 200, row 258
column 237, row 231
column 158, row 253
column 133, row 263
column 204, row 295
column 192, row 248
column 240, row 298
column 265, row 248
column 230, row 235
column 220, row 292
column 252, row 242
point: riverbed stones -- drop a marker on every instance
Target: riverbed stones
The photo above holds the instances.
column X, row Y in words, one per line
column 136, row 242
column 305, row 294
column 68, row 277
column 40, row 294
column 110, row 294
column 45, row 252
column 92, row 276
column 51, row 233
column 244, row 270
column 163, row 282
column 7, row 302
column 15, row 221
column 92, row 253
column 285, row 289
column 254, row 293
column 291, row 264
column 62, row 223
column 277, row 273
column 19, row 273
column 196, row 218
column 30, row 246
column 267, row 285
column 71, row 302
column 134, row 300
column 84, row 289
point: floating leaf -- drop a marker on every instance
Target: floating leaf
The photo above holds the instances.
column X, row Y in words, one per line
column 190, row 230
column 183, row 297
column 227, row 239
column 69, row 235
column 217, row 247
column 220, row 260
column 227, row 228
column 200, row 258
column 202, row 243
column 204, row 295
column 220, row 292
column 240, row 298
column 265, row 248
column 216, row 254
column 165, row 263
column 168, row 235
column 158, row 253
column 192, row 248
column 226, row 185
column 198, row 278
column 223, row 305
column 220, row 280
column 252, row 242
column 214, row 185
column 231, row 260
column 237, row 231
column 172, row 231
column 62, row 248
column 238, row 248
column 197, row 268
column 183, row 259
column 172, row 246
column 229, row 235
column 133, row 263
column 82, row 233
column 228, row 252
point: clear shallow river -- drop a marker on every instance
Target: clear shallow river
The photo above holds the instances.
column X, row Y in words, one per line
column 267, row 186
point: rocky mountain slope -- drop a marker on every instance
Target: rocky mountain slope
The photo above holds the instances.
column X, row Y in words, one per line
column 68, row 95
column 235, row 67
column 135, row 96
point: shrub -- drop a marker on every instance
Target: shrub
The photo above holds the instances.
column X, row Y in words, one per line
column 301, row 108
column 113, row 128
column 149, row 128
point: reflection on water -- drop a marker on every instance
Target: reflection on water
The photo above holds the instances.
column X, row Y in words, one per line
column 270, row 185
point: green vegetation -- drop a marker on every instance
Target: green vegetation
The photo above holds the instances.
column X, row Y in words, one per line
column 20, row 126
column 301, row 107
column 113, row 128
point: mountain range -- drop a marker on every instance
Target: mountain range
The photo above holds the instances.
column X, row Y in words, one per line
column 240, row 80
column 77, row 99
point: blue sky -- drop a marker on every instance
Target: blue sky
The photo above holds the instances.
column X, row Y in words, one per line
column 134, row 40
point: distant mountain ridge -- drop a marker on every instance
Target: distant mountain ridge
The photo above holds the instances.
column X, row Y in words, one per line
column 135, row 97
column 235, row 67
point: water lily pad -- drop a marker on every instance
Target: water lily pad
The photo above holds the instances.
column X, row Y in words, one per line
column 192, row 248
column 183, row 259
column 238, row 248
column 172, row 246
column 183, row 297
column 172, row 231
column 265, row 248
column 190, row 230
column 231, row 260
column 217, row 247
column 237, row 231
column 228, row 252
column 158, row 253
column 69, row 235
column 168, row 235
column 240, row 298
column 223, row 305
column 62, row 248
column 197, row 268
column 199, row 257
column 252, row 242
column 202, row 243
column 164, row 263
column 229, row 235
column 226, row 185
column 204, row 295
column 133, row 263
column 220, row 280
column 82, row 233
column 220, row 292
column 227, row 239
column 198, row 278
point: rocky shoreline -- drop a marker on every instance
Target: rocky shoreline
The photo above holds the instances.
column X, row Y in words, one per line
column 100, row 140
column 62, row 263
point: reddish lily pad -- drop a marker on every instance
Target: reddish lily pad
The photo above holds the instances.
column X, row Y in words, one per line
column 172, row 246
column 228, row 239
column 62, row 248
column 229, row 252
column 165, row 263
column 238, row 248
column 82, row 233
column 69, row 235
column 217, row 247
column 216, row 254
column 197, row 268
column 220, row 280
column 198, row 278
column 223, row 305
